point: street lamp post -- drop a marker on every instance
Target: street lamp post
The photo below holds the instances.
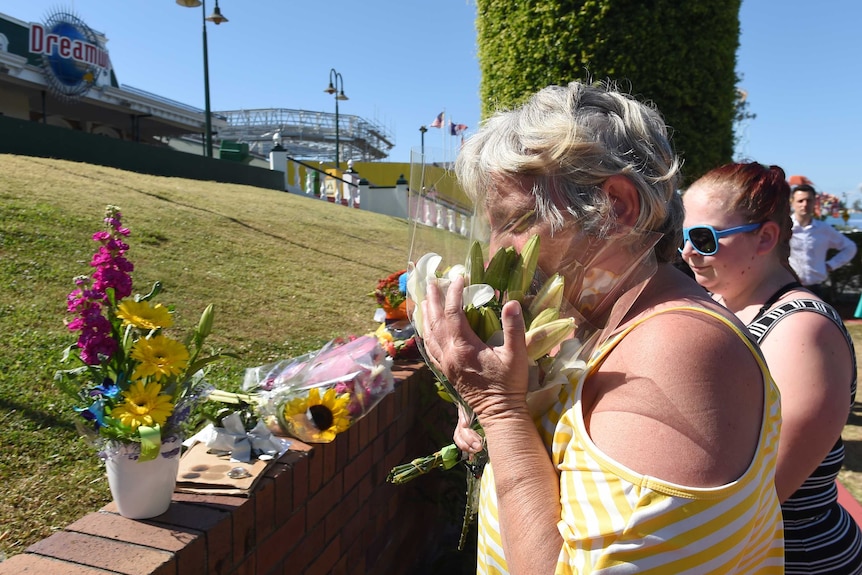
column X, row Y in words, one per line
column 216, row 18
column 336, row 86
column 422, row 130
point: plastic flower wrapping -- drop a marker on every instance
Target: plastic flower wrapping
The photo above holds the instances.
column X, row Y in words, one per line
column 135, row 385
column 316, row 396
column 570, row 309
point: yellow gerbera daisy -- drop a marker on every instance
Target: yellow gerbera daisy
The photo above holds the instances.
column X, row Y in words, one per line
column 160, row 357
column 144, row 405
column 317, row 419
column 143, row 315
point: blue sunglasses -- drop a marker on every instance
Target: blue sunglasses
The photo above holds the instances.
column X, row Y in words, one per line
column 704, row 238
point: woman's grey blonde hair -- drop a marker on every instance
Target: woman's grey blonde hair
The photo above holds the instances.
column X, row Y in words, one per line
column 566, row 141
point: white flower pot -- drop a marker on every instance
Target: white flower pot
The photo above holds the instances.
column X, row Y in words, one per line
column 143, row 489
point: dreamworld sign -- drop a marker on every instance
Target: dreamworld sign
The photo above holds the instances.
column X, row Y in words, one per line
column 72, row 54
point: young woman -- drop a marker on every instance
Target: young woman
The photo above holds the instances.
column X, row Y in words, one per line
column 737, row 242
column 661, row 459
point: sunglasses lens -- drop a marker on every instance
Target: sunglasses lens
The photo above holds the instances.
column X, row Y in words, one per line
column 703, row 240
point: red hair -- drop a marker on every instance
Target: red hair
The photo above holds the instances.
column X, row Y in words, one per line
column 759, row 193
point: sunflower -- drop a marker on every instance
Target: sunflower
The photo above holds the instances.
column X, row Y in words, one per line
column 143, row 315
column 159, row 356
column 317, row 419
column 144, row 405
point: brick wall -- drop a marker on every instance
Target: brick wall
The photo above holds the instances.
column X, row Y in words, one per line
column 319, row 509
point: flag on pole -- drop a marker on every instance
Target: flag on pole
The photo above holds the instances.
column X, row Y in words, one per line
column 456, row 129
column 438, row 121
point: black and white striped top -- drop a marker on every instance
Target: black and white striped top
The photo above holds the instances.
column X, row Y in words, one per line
column 820, row 536
column 818, row 492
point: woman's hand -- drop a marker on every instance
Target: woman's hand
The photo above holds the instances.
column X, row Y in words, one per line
column 491, row 379
column 466, row 438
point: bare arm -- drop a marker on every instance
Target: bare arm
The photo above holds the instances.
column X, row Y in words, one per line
column 846, row 250
column 811, row 364
column 493, row 380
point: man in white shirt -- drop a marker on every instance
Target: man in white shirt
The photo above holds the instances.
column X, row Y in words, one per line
column 812, row 239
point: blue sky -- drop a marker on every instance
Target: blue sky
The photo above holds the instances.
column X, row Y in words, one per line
column 405, row 61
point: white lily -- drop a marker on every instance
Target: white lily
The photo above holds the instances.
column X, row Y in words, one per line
column 564, row 367
column 425, row 271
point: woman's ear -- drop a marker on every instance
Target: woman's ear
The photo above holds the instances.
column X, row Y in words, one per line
column 768, row 235
column 625, row 199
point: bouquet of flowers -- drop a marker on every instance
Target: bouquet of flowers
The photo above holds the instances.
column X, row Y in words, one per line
column 391, row 295
column 135, row 386
column 318, row 395
column 395, row 332
column 567, row 315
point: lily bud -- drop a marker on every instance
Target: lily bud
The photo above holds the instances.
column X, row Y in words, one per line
column 474, row 318
column 545, row 316
column 523, row 270
column 497, row 272
column 490, row 323
column 549, row 297
column 476, row 264
column 205, row 325
column 541, row 340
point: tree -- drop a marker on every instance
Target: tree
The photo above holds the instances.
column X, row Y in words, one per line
column 679, row 55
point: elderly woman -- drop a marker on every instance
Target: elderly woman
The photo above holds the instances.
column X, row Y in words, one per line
column 661, row 459
column 737, row 242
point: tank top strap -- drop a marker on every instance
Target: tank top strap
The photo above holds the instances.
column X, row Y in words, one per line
column 602, row 353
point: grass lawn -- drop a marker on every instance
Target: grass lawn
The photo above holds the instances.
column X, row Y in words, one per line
column 286, row 274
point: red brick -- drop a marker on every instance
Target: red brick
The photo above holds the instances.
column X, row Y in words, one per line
column 264, row 507
column 117, row 556
column 242, row 514
column 372, row 418
column 340, row 567
column 244, row 532
column 315, row 470
column 29, row 564
column 324, row 562
column 225, row 502
column 283, row 497
column 392, row 436
column 342, row 451
column 311, row 546
column 366, row 488
column 300, row 471
column 352, row 530
column 329, row 467
column 248, row 566
column 215, row 523
column 353, row 440
column 356, row 558
column 342, row 513
column 363, row 433
column 188, row 545
column 357, row 469
column 387, row 413
column 272, row 551
column 321, row 502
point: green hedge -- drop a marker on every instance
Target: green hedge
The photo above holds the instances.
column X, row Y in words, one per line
column 679, row 55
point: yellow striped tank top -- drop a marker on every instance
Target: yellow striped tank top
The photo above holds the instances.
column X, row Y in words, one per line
column 616, row 521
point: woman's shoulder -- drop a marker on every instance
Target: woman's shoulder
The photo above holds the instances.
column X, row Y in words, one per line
column 696, row 335
column 800, row 323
